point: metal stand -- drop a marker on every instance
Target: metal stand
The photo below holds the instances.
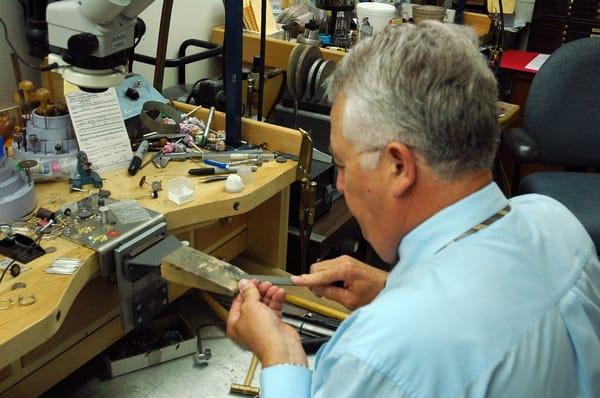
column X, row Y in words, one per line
column 232, row 44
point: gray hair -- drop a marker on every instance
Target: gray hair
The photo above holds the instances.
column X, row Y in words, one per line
column 425, row 85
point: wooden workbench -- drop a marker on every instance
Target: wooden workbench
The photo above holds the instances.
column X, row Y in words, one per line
column 77, row 316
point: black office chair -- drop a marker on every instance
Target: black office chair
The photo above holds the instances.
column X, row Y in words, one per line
column 562, row 128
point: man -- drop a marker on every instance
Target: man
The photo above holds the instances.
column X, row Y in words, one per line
column 488, row 297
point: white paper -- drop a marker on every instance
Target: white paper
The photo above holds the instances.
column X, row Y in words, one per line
column 537, row 62
column 100, row 129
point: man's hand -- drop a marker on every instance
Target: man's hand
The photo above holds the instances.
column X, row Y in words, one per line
column 255, row 322
column 361, row 281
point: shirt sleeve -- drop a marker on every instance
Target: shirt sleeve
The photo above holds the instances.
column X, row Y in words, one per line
column 290, row 381
column 347, row 376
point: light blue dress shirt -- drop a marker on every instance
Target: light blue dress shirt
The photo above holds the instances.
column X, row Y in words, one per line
column 510, row 311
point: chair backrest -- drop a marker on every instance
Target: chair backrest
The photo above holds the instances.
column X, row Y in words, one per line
column 563, row 107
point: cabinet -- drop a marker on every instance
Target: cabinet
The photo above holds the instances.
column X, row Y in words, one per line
column 556, row 22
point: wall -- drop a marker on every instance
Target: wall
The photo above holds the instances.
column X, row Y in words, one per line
column 190, row 19
column 12, row 14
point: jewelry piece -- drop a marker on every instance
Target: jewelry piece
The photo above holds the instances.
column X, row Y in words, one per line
column 25, row 301
column 5, row 303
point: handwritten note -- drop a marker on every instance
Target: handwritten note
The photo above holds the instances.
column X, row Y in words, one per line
column 100, row 129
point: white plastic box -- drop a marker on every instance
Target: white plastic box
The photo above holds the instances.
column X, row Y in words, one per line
column 181, row 190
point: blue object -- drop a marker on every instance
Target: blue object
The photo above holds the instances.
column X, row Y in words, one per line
column 2, row 148
column 512, row 310
column 216, row 163
column 83, row 173
column 325, row 39
column 132, row 107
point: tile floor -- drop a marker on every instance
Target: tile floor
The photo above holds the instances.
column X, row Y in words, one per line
column 179, row 378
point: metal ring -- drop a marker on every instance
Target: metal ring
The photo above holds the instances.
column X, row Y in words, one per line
column 5, row 303
column 25, row 301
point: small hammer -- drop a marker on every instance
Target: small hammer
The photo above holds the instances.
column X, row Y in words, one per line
column 246, row 388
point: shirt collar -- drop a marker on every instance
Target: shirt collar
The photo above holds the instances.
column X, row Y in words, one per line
column 448, row 224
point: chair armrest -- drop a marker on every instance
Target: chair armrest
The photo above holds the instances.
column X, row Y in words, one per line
column 520, row 145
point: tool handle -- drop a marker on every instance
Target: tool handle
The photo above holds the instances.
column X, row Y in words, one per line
column 206, row 171
column 216, row 163
column 43, row 94
column 26, row 86
column 316, row 307
column 251, row 370
column 203, row 171
column 214, row 305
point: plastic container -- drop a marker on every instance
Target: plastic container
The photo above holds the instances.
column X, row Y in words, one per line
column 245, row 172
column 51, row 168
column 379, row 14
column 180, row 190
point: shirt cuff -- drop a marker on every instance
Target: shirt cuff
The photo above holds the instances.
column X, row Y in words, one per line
column 290, row 381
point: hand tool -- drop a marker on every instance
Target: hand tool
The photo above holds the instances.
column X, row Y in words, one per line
column 257, row 161
column 155, row 156
column 282, row 280
column 246, row 388
column 26, row 87
column 193, row 268
column 216, row 163
column 210, row 179
column 205, row 171
column 43, row 94
column 163, row 159
column 209, row 119
column 276, row 280
column 138, row 157
column 190, row 113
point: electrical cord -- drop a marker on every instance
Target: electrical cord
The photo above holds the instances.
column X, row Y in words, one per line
column 46, row 68
column 190, row 95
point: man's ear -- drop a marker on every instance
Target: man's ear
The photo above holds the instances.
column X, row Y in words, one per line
column 400, row 166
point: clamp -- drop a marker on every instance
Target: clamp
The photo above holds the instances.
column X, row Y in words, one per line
column 306, row 210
